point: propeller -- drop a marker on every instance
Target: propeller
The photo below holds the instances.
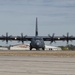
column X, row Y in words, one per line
column 22, row 38
column 67, row 37
column 52, row 38
column 7, row 37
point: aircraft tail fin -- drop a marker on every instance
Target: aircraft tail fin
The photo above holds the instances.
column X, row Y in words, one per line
column 36, row 31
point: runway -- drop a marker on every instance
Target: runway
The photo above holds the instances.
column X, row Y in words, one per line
column 37, row 65
column 15, row 65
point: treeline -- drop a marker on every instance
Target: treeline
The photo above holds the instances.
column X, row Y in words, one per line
column 68, row 47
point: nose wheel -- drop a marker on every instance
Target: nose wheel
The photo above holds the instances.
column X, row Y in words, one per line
column 37, row 49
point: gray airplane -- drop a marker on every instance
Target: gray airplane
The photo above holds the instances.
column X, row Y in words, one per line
column 37, row 42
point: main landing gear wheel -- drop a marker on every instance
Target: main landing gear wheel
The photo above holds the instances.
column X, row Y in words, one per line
column 30, row 47
column 43, row 49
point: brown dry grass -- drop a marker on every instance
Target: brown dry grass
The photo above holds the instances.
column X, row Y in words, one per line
column 38, row 53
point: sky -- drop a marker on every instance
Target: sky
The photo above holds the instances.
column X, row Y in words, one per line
column 54, row 16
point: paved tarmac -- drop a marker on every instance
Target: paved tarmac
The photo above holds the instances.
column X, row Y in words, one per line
column 37, row 65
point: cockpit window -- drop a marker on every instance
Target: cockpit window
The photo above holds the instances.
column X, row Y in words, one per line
column 38, row 38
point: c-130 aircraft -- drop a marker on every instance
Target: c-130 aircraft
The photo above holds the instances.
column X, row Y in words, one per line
column 37, row 41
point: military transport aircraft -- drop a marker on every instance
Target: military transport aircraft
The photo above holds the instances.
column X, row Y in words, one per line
column 37, row 41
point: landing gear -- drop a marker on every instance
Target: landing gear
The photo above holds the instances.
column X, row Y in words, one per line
column 37, row 49
column 43, row 48
column 30, row 47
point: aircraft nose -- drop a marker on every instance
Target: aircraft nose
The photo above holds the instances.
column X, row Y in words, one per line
column 37, row 43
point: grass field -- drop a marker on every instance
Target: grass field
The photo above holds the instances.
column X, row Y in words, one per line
column 38, row 53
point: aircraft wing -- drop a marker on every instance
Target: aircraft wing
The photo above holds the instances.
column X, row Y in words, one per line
column 58, row 38
column 16, row 38
column 45, row 38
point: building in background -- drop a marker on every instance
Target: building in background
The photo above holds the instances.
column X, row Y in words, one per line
column 27, row 47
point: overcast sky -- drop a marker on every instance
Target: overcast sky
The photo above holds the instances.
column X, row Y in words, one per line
column 54, row 16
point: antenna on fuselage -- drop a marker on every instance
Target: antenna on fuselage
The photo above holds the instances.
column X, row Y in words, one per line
column 36, row 31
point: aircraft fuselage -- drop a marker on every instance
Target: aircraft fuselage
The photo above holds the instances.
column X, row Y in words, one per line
column 37, row 42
